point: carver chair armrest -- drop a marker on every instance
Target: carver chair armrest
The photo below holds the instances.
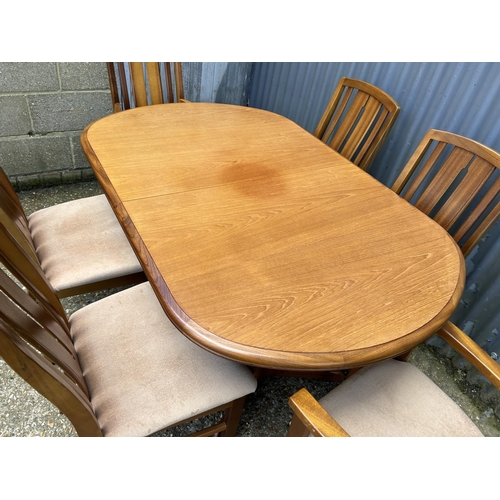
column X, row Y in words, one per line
column 471, row 351
column 310, row 417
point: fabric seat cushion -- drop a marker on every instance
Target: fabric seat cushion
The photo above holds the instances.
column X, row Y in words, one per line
column 142, row 373
column 81, row 241
column 393, row 398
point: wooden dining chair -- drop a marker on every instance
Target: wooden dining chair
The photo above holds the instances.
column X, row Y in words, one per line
column 392, row 398
column 135, row 84
column 357, row 120
column 456, row 181
column 117, row 367
column 79, row 244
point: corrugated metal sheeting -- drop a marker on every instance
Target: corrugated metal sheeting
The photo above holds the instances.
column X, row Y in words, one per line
column 463, row 98
column 222, row 82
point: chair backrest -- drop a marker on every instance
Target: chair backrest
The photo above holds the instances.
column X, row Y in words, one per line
column 35, row 339
column 135, row 84
column 7, row 186
column 15, row 225
column 357, row 120
column 456, row 181
column 12, row 215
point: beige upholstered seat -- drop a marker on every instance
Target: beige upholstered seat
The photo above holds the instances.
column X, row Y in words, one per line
column 142, row 374
column 392, row 398
column 81, row 240
column 79, row 244
column 118, row 367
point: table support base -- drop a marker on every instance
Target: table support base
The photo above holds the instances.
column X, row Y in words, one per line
column 331, row 376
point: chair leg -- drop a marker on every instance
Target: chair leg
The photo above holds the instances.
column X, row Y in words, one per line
column 232, row 418
column 404, row 356
column 258, row 373
column 351, row 372
column 297, row 428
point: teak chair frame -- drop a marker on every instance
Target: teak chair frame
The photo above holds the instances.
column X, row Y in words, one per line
column 14, row 218
column 147, row 84
column 357, row 120
column 35, row 341
column 309, row 417
column 446, row 193
column 443, row 179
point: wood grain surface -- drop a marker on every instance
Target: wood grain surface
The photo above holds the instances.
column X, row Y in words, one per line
column 266, row 246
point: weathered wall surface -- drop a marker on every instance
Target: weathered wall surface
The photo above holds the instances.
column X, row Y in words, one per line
column 44, row 106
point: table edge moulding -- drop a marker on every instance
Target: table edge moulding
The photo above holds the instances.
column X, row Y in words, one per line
column 264, row 245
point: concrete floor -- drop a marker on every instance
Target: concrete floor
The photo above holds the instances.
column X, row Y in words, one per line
column 23, row 412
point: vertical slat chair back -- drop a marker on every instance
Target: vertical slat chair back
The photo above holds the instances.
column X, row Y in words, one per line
column 29, row 272
column 357, row 121
column 136, row 84
column 35, row 342
column 455, row 180
column 12, row 215
column 5, row 183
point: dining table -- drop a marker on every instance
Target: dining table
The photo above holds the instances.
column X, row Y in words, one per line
column 264, row 245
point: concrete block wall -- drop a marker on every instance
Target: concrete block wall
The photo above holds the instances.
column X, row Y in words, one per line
column 44, row 107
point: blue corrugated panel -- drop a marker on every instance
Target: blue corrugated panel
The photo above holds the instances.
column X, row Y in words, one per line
column 222, row 82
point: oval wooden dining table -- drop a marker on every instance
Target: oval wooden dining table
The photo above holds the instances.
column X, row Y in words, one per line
column 265, row 246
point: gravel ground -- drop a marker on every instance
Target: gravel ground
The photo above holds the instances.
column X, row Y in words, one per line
column 23, row 412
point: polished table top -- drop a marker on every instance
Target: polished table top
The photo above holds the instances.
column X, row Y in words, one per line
column 266, row 246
